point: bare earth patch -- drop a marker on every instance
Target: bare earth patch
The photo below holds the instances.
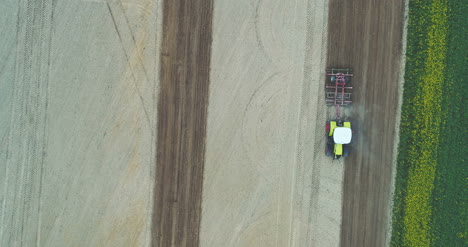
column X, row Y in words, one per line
column 77, row 154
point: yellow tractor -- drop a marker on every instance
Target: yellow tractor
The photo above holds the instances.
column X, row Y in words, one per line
column 339, row 135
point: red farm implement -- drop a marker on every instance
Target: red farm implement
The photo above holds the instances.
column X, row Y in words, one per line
column 337, row 89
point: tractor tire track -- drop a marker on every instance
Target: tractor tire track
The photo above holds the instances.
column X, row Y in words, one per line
column 307, row 187
column 27, row 130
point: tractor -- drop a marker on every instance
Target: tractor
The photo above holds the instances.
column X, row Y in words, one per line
column 338, row 131
column 339, row 136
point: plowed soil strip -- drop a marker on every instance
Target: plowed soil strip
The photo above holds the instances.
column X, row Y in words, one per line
column 365, row 35
column 182, row 110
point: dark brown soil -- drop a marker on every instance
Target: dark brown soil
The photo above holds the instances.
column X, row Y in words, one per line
column 365, row 35
column 182, row 110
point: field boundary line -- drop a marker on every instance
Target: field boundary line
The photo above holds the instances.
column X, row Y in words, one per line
column 401, row 82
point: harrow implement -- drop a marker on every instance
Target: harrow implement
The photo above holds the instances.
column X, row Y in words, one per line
column 337, row 89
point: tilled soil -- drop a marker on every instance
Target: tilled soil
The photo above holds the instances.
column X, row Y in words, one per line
column 366, row 36
column 182, row 110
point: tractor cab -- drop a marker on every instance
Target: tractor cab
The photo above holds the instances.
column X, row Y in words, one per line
column 342, row 135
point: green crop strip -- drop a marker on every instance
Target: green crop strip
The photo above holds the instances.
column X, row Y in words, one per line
column 427, row 107
column 431, row 177
column 450, row 197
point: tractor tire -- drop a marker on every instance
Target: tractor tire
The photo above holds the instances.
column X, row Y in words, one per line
column 328, row 151
column 345, row 151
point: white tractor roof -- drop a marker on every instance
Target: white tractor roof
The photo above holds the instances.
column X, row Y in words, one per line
column 342, row 135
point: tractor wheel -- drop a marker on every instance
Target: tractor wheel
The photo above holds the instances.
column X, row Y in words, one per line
column 328, row 151
column 345, row 151
column 347, row 79
column 332, row 78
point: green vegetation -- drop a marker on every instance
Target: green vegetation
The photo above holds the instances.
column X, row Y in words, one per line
column 450, row 217
column 430, row 201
